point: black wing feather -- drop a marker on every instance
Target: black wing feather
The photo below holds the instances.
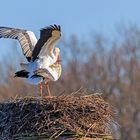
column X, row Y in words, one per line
column 45, row 34
column 22, row 36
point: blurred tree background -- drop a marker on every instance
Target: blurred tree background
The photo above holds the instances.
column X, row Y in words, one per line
column 107, row 65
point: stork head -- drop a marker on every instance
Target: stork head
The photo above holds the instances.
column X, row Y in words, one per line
column 57, row 52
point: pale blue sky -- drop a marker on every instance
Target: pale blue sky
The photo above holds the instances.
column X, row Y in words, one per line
column 75, row 16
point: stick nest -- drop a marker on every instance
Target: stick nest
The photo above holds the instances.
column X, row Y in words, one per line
column 80, row 115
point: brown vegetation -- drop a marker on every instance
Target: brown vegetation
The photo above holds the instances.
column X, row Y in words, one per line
column 110, row 66
column 69, row 116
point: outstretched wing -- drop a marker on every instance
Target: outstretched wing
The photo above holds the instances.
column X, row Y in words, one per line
column 26, row 39
column 48, row 38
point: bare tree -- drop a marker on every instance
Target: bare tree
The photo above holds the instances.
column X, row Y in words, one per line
column 102, row 65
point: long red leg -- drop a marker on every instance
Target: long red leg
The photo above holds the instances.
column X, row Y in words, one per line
column 48, row 89
column 41, row 87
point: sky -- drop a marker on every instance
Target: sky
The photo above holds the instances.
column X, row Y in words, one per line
column 78, row 17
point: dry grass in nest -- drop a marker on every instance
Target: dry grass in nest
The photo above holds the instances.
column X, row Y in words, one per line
column 53, row 116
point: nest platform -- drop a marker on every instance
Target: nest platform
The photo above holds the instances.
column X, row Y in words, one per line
column 57, row 117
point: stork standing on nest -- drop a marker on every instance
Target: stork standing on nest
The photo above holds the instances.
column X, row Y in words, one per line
column 42, row 56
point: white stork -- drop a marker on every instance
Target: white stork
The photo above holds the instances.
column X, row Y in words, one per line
column 42, row 56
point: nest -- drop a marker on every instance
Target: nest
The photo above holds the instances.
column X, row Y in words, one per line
column 54, row 116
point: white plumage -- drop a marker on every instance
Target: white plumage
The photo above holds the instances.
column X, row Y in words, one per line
column 42, row 56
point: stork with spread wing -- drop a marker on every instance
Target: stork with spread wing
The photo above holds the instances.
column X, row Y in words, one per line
column 42, row 55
